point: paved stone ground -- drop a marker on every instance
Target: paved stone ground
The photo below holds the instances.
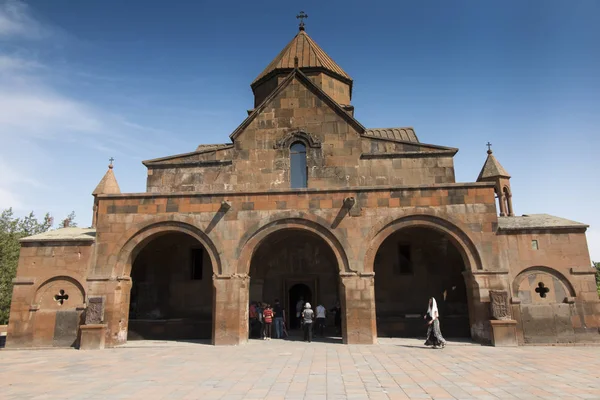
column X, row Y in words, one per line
column 394, row 369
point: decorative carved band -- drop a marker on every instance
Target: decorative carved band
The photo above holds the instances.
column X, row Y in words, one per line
column 297, row 135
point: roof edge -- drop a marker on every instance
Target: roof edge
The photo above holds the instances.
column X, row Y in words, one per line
column 157, row 160
column 544, row 228
column 286, row 71
column 431, row 146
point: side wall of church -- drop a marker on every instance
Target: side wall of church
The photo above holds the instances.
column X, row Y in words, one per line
column 553, row 287
column 260, row 162
column 46, row 270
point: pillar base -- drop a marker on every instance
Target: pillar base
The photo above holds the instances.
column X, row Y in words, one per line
column 504, row 333
column 93, row 337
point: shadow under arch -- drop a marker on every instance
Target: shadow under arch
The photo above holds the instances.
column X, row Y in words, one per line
column 547, row 270
column 457, row 236
column 252, row 241
column 138, row 240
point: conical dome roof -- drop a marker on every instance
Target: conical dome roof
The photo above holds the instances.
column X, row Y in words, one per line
column 492, row 168
column 108, row 184
column 308, row 54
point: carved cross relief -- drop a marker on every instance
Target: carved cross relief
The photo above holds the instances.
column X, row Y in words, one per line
column 61, row 297
column 542, row 290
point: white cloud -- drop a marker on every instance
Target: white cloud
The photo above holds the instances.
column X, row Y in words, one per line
column 36, row 114
column 16, row 21
column 12, row 64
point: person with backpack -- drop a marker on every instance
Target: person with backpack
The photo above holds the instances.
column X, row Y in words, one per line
column 267, row 321
column 321, row 315
column 308, row 316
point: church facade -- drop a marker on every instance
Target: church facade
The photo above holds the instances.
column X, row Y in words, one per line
column 304, row 201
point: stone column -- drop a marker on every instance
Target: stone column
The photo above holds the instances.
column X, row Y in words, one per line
column 358, row 308
column 501, row 202
column 230, row 309
column 117, row 293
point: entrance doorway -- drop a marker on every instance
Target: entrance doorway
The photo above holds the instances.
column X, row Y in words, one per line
column 294, row 263
column 298, row 295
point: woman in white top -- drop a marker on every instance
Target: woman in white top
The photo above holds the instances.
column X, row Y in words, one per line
column 434, row 334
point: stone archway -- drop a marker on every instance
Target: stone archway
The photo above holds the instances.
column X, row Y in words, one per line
column 462, row 249
column 175, row 263
column 546, row 306
column 171, row 289
column 411, row 265
column 58, row 306
column 294, row 265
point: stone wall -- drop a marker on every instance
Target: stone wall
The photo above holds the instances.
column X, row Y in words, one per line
column 553, row 285
column 46, row 270
column 336, row 89
column 230, row 233
column 337, row 155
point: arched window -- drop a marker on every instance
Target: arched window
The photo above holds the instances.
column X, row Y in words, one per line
column 298, row 171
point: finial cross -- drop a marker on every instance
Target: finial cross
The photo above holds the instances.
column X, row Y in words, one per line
column 111, row 160
column 489, row 146
column 301, row 17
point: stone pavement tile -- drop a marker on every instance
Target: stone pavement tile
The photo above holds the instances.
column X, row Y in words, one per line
column 298, row 371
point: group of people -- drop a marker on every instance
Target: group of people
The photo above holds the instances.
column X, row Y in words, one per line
column 262, row 318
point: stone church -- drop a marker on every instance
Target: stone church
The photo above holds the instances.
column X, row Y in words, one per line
column 303, row 200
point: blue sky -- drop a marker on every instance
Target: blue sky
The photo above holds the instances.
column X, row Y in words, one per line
column 81, row 81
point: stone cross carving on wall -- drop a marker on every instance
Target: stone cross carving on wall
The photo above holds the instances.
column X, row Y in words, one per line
column 500, row 308
column 95, row 311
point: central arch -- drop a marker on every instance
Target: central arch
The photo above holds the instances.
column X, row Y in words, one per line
column 293, row 265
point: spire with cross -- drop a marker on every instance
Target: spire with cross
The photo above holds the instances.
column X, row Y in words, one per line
column 301, row 17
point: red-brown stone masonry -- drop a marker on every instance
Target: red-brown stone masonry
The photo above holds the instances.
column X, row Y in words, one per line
column 471, row 208
column 561, row 251
column 257, row 163
column 38, row 263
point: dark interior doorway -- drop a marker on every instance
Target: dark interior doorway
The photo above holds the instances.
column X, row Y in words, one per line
column 171, row 294
column 298, row 292
column 412, row 265
column 290, row 263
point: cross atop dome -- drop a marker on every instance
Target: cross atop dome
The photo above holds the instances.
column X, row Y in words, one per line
column 301, row 17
